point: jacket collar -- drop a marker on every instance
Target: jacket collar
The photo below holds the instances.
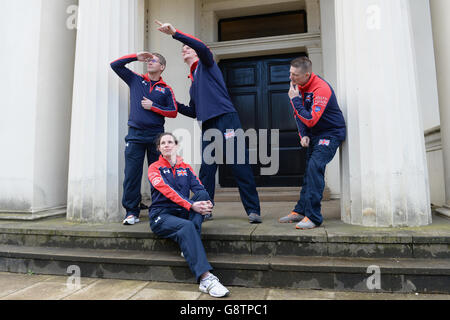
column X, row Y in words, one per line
column 308, row 84
column 163, row 160
column 193, row 67
column 160, row 81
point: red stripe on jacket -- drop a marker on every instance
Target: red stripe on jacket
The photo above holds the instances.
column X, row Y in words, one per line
column 157, row 181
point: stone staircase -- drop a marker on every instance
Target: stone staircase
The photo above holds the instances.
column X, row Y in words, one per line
column 334, row 257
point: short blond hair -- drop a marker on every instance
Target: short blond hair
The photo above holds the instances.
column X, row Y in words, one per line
column 302, row 63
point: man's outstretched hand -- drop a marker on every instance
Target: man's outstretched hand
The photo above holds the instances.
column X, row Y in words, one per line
column 166, row 28
column 144, row 56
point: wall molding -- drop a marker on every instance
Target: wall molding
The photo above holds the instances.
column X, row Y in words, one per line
column 267, row 45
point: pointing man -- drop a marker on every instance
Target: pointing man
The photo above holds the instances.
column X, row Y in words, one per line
column 211, row 104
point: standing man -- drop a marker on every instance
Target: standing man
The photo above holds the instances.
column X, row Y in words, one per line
column 151, row 99
column 211, row 104
column 322, row 130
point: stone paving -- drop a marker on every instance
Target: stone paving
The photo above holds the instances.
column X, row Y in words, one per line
column 15, row 286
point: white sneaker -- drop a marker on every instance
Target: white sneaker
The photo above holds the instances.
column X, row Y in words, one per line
column 305, row 224
column 212, row 286
column 130, row 220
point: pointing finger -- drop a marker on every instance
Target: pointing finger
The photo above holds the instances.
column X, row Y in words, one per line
column 159, row 22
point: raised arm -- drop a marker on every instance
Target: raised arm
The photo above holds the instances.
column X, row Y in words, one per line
column 204, row 53
column 119, row 65
column 309, row 118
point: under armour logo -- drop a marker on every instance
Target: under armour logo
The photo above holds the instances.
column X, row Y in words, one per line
column 166, row 171
column 156, row 221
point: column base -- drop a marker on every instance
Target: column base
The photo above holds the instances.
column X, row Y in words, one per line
column 33, row 216
column 444, row 211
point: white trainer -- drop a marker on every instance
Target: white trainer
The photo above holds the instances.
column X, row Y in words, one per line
column 212, row 286
column 130, row 220
column 305, row 224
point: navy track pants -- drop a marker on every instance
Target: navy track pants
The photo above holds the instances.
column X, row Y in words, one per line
column 138, row 144
column 320, row 152
column 242, row 173
column 185, row 228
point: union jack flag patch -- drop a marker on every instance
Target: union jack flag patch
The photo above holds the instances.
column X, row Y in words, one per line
column 182, row 172
column 229, row 134
column 162, row 90
column 324, row 142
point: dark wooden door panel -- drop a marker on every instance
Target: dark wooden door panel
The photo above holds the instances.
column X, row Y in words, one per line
column 258, row 88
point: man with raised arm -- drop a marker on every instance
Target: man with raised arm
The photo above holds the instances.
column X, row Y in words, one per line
column 151, row 99
column 211, row 104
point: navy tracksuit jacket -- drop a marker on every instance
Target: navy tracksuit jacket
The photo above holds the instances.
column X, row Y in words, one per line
column 211, row 104
column 170, row 213
column 144, row 127
column 318, row 117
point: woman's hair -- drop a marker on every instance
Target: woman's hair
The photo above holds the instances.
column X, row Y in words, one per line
column 158, row 139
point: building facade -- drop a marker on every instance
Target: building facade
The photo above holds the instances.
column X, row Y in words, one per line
column 63, row 137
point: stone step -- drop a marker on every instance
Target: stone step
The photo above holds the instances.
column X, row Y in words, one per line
column 320, row 273
column 233, row 236
column 266, row 194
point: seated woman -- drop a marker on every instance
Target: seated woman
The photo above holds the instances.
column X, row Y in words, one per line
column 173, row 215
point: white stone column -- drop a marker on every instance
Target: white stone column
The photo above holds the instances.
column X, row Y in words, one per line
column 328, row 37
column 37, row 58
column 441, row 32
column 107, row 30
column 384, row 177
